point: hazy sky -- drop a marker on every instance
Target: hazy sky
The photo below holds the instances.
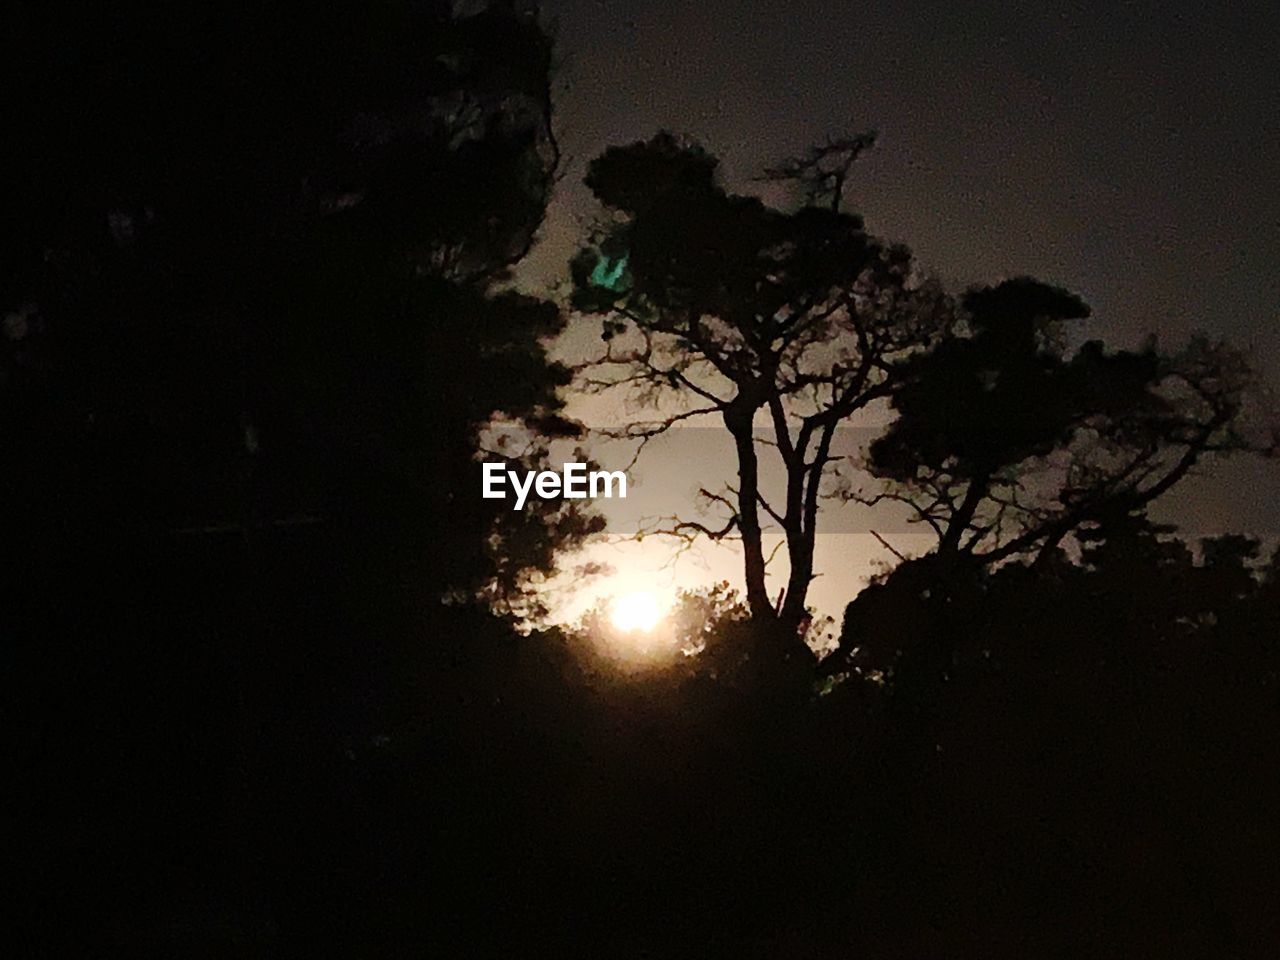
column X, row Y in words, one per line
column 1129, row 151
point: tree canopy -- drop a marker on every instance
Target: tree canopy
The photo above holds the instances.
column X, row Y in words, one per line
column 254, row 261
column 741, row 312
column 786, row 325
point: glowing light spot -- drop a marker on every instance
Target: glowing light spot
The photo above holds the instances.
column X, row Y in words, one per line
column 636, row 612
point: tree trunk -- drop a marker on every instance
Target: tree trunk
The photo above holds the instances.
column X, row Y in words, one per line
column 959, row 524
column 800, row 553
column 804, row 481
column 749, row 522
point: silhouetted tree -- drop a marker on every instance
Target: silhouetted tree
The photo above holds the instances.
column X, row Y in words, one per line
column 250, row 262
column 253, row 330
column 743, row 312
column 1004, row 443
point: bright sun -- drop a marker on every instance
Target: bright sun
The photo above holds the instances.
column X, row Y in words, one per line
column 639, row 611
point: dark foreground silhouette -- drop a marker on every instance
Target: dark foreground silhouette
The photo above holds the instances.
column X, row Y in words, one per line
column 230, row 756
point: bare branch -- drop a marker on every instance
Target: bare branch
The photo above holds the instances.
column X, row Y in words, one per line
column 888, row 546
column 825, row 168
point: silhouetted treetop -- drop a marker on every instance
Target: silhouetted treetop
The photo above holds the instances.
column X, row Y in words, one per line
column 262, row 245
column 1004, row 442
column 736, row 309
column 1022, row 304
column 666, row 168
